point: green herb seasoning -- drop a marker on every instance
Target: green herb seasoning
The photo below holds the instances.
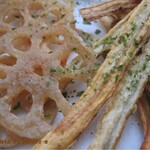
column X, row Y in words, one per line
column 144, row 66
column 47, row 84
column 105, row 77
column 128, row 88
column 77, row 3
column 129, row 34
column 80, row 93
column 130, row 54
column 47, row 116
column 134, row 83
column 134, row 26
column 130, row 72
column 88, row 81
column 116, row 77
column 49, row 52
column 30, row 25
column 109, row 40
column 97, row 66
column 123, row 40
column 16, row 16
column 52, row 70
column 74, row 49
column 86, row 23
column 60, row 70
column 63, row 15
column 65, row 94
column 95, row 90
column 54, row 2
column 1, row 116
column 136, row 42
column 43, row 15
column 143, row 23
column 17, row 106
column 97, row 31
column 119, row 68
column 13, row 28
column 74, row 22
column 53, row 21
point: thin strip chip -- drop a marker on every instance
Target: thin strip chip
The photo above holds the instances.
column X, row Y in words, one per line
column 122, row 102
column 106, row 8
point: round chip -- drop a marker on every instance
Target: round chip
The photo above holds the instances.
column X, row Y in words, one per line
column 21, row 13
column 33, row 62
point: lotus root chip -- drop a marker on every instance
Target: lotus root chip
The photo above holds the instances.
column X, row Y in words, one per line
column 33, row 67
column 22, row 13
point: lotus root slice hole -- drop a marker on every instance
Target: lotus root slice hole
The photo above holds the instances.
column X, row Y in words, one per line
column 7, row 59
column 63, row 82
column 56, row 43
column 67, row 58
column 2, row 32
column 3, row 134
column 54, row 16
column 6, row 138
column 60, row 38
column 54, row 39
column 51, row 19
column 22, row 43
column 50, row 110
column 53, row 42
column 3, row 92
column 72, row 56
column 22, row 103
column 35, row 9
column 38, row 70
column 2, row 74
column 14, row 18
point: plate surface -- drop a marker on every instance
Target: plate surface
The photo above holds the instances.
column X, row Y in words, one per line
column 132, row 135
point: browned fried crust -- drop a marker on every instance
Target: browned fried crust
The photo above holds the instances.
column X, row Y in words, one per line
column 106, row 8
column 146, row 143
column 144, row 111
column 109, row 21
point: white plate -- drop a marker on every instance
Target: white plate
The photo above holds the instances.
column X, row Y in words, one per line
column 132, row 135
